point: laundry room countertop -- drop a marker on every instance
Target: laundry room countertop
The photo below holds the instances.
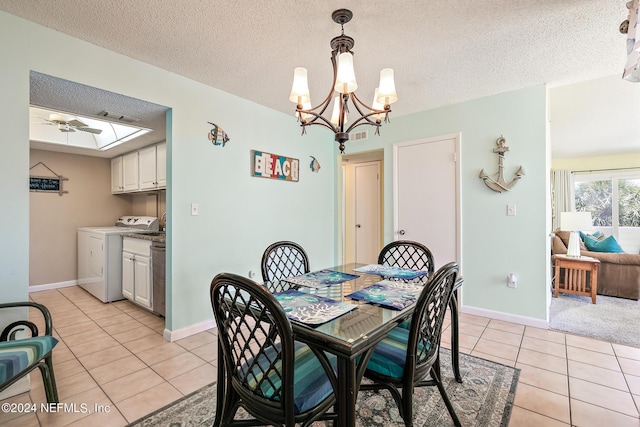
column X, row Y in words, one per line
column 155, row 236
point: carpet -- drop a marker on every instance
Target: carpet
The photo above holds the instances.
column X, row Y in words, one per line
column 485, row 398
column 611, row 319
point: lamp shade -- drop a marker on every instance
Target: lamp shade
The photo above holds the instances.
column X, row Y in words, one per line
column 387, row 88
column 575, row 221
column 377, row 106
column 346, row 76
column 300, row 88
column 335, row 115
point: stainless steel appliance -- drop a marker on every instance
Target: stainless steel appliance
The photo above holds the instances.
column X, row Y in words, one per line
column 100, row 255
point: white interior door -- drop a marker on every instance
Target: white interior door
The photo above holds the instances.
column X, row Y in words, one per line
column 426, row 201
column 362, row 211
column 367, row 212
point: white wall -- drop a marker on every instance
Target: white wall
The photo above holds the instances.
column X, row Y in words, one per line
column 239, row 214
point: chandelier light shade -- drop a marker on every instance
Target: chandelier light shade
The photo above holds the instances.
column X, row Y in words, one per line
column 342, row 92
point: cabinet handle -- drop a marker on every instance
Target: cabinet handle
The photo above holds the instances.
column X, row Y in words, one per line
column 401, row 232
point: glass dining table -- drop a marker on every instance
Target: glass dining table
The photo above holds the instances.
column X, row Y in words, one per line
column 351, row 336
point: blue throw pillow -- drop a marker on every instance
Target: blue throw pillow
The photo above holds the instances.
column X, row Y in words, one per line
column 608, row 244
column 597, row 235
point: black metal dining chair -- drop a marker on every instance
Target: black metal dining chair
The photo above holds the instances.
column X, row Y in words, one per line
column 281, row 260
column 402, row 360
column 416, row 256
column 277, row 380
column 407, row 254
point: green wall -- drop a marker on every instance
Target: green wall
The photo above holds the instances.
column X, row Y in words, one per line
column 493, row 244
column 239, row 214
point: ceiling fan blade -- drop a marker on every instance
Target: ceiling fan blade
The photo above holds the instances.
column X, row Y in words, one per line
column 77, row 123
column 90, row 130
column 66, row 129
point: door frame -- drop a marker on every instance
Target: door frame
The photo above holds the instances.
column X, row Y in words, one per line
column 458, row 160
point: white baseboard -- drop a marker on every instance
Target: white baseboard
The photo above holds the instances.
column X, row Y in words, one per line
column 506, row 317
column 188, row 331
column 48, row 286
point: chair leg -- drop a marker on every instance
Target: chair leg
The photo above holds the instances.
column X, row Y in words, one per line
column 49, row 379
column 445, row 398
column 407, row 406
column 455, row 342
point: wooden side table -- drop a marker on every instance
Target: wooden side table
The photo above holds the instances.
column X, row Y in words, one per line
column 577, row 276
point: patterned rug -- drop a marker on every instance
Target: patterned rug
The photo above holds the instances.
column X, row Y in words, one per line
column 485, row 398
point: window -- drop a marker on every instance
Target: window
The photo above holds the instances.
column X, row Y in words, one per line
column 614, row 202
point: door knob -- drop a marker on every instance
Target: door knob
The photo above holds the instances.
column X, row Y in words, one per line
column 357, row 225
column 401, row 232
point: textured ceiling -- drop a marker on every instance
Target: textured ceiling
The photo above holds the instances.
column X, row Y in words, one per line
column 443, row 52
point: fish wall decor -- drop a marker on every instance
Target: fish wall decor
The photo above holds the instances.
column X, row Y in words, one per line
column 315, row 164
column 217, row 136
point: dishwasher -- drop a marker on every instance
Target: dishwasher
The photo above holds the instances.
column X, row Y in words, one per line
column 158, row 257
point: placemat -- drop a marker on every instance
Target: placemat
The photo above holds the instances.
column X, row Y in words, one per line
column 311, row 309
column 387, row 271
column 321, row 279
column 392, row 294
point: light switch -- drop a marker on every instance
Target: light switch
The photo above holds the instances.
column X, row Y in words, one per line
column 511, row 210
column 195, row 209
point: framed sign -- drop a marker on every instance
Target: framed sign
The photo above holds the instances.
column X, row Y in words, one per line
column 274, row 166
column 41, row 183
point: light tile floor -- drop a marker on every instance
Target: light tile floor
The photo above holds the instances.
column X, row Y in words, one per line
column 113, row 357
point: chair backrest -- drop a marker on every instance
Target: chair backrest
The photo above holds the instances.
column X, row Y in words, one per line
column 257, row 345
column 407, row 254
column 281, row 260
column 427, row 320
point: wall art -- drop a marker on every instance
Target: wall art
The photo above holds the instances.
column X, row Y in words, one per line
column 499, row 184
column 274, row 166
column 217, row 136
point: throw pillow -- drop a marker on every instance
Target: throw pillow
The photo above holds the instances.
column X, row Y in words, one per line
column 608, row 244
column 597, row 235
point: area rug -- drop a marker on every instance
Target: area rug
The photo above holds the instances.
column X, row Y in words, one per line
column 485, row 398
column 610, row 319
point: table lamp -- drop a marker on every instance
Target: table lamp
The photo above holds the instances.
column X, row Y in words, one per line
column 574, row 222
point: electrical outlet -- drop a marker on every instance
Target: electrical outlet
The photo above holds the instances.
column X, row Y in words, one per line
column 512, row 280
column 195, row 209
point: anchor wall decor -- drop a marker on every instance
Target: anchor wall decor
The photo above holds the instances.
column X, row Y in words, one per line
column 500, row 185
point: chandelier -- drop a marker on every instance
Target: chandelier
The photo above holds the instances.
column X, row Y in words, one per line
column 344, row 83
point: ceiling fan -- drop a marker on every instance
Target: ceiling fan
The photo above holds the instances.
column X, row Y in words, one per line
column 67, row 124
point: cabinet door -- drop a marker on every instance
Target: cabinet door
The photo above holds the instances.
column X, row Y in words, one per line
column 128, row 276
column 147, row 165
column 161, row 165
column 116, row 175
column 143, row 281
column 130, row 172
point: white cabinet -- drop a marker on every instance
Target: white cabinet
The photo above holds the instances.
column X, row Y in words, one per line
column 148, row 169
column 130, row 172
column 161, row 165
column 116, row 175
column 137, row 273
column 145, row 169
column 124, row 173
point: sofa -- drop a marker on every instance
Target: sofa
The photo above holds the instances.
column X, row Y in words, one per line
column 619, row 273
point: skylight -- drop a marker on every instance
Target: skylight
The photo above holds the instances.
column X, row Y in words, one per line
column 78, row 131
